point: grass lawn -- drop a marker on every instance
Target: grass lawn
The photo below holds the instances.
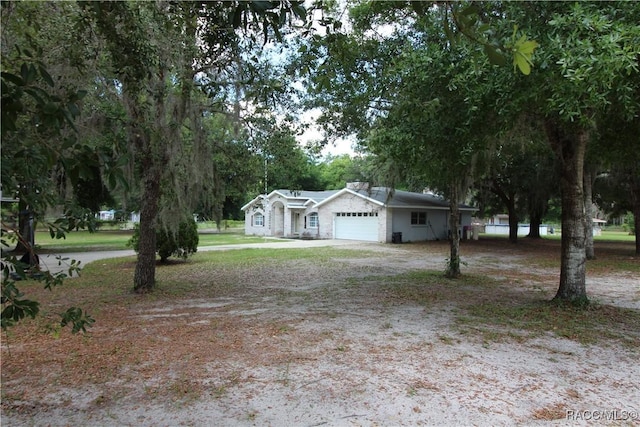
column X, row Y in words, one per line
column 615, row 236
column 108, row 240
column 312, row 330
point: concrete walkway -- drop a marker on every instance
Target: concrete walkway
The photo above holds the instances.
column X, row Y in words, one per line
column 50, row 263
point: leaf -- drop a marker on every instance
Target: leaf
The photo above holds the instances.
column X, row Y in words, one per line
column 470, row 10
column 32, row 73
column 237, row 16
column 448, row 32
column 495, row 57
column 299, row 10
column 24, row 72
column 50, row 108
column 16, row 80
column 35, row 94
column 522, row 64
column 528, row 47
column 262, row 6
column 45, row 76
column 522, row 54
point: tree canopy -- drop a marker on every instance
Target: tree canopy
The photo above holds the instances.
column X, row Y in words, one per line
column 428, row 102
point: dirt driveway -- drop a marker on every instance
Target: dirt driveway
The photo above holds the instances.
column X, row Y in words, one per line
column 372, row 337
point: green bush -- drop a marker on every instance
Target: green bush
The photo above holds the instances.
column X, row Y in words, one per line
column 181, row 244
column 629, row 223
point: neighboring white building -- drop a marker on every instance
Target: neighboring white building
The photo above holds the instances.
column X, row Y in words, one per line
column 523, row 229
column 107, row 215
column 377, row 214
column 499, row 224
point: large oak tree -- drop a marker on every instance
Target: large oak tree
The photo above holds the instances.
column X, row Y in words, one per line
column 162, row 55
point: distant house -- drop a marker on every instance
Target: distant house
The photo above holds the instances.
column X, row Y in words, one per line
column 109, row 215
column 597, row 226
column 357, row 212
column 499, row 224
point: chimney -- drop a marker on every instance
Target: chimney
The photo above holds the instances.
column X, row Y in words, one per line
column 357, row 186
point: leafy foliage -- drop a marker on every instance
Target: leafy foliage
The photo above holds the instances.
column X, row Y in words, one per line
column 36, row 116
column 15, row 307
column 178, row 64
column 180, row 243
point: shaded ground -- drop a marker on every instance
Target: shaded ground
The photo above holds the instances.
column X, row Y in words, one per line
column 371, row 336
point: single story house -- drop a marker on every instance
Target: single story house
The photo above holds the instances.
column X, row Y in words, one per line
column 357, row 212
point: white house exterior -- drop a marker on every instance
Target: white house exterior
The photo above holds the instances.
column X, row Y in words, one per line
column 376, row 214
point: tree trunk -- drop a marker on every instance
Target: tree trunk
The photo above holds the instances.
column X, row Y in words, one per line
column 145, row 272
column 535, row 220
column 636, row 222
column 509, row 201
column 25, row 223
column 635, row 206
column 513, row 225
column 537, row 209
column 453, row 265
column 570, row 149
column 588, row 214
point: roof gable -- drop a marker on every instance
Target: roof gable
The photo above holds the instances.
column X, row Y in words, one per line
column 301, row 198
column 382, row 196
column 360, row 194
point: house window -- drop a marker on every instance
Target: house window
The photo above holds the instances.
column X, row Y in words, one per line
column 313, row 220
column 418, row 218
column 258, row 220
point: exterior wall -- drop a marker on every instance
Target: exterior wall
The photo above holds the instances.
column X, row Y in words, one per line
column 277, row 218
column 390, row 217
column 250, row 229
column 466, row 219
column 435, row 228
column 349, row 203
column 306, row 231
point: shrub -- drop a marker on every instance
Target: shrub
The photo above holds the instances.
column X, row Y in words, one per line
column 181, row 243
column 629, row 223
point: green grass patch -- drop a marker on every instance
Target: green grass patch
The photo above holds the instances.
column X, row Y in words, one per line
column 593, row 323
column 430, row 288
column 252, row 257
column 208, row 274
column 607, row 266
column 494, row 311
column 77, row 241
column 107, row 240
column 615, row 236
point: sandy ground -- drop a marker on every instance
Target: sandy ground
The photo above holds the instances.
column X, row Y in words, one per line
column 326, row 345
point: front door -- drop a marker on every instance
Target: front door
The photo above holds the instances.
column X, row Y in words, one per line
column 295, row 226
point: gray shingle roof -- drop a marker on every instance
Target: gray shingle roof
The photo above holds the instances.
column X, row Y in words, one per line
column 398, row 198
column 404, row 199
column 318, row 196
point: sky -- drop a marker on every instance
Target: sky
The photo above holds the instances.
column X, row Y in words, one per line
column 314, row 133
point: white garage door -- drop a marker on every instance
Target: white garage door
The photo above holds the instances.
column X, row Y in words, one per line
column 356, row 226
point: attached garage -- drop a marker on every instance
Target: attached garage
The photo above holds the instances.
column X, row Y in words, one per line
column 356, row 226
